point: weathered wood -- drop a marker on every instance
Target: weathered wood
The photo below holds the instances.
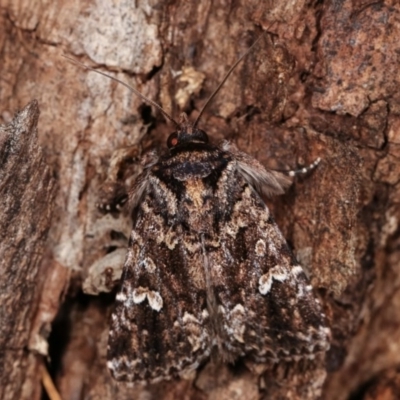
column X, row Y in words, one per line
column 27, row 193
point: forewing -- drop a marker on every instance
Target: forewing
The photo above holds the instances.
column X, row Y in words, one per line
column 159, row 325
column 265, row 304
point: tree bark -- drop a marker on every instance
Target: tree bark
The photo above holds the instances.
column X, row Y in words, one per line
column 323, row 82
column 27, row 191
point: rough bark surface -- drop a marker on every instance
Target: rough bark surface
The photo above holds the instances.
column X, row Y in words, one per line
column 323, row 83
column 27, row 191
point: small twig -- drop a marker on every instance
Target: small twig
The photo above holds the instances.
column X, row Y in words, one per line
column 48, row 384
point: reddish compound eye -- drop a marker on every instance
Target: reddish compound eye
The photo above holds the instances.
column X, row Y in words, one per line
column 172, row 140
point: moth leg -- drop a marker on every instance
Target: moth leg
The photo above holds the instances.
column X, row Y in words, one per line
column 124, row 166
column 302, row 171
column 268, row 182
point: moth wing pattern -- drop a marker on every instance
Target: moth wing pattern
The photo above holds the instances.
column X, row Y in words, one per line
column 152, row 335
column 207, row 266
column 264, row 300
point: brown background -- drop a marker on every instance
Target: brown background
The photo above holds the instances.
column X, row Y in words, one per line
column 324, row 82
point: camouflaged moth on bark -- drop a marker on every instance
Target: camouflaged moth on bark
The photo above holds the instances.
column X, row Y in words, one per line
column 207, row 267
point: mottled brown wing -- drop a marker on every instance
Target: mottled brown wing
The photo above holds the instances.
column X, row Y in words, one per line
column 159, row 326
column 265, row 305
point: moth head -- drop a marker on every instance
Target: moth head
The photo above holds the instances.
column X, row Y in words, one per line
column 187, row 133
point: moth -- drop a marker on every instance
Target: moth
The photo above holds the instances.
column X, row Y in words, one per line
column 207, row 267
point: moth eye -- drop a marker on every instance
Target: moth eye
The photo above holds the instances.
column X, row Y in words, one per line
column 172, row 140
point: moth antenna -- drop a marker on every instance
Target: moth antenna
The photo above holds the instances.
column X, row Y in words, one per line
column 214, row 93
column 132, row 89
